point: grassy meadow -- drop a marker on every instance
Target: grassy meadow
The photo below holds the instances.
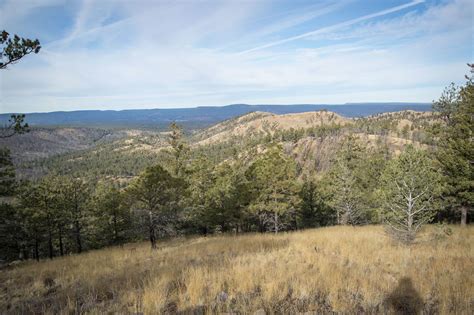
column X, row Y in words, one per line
column 335, row 269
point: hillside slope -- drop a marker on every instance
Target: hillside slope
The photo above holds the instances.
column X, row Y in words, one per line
column 46, row 142
column 257, row 123
column 311, row 138
column 321, row 271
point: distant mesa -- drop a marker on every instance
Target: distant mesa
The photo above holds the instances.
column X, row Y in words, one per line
column 200, row 117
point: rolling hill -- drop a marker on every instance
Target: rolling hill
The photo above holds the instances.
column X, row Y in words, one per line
column 199, row 117
column 311, row 138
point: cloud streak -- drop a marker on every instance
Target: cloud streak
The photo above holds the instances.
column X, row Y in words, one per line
column 149, row 54
column 335, row 26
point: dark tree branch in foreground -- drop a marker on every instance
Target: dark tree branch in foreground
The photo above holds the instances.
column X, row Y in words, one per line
column 14, row 48
column 16, row 125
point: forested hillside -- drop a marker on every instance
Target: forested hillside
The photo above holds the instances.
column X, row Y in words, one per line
column 257, row 172
column 68, row 190
column 46, row 142
column 312, row 138
column 116, row 198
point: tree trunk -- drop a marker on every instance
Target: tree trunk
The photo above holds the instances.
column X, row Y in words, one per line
column 275, row 218
column 50, row 244
column 261, row 224
column 115, row 229
column 410, row 223
column 61, row 245
column 463, row 216
column 152, row 230
column 78, row 236
column 37, row 249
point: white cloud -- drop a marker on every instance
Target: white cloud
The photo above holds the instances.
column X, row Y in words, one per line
column 167, row 55
column 335, row 26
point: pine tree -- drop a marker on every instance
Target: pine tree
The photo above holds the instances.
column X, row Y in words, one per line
column 410, row 186
column 274, row 188
column 344, row 183
column 456, row 146
column 76, row 194
column 112, row 216
column 313, row 211
column 200, row 180
column 179, row 149
column 7, row 173
column 156, row 193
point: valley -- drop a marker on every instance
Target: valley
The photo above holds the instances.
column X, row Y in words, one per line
column 236, row 157
column 312, row 138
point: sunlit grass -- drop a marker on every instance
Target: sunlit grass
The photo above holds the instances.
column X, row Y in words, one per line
column 342, row 269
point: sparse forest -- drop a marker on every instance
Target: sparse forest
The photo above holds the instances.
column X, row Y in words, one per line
column 236, row 157
column 271, row 180
column 104, row 194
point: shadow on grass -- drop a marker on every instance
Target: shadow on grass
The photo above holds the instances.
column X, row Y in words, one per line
column 404, row 299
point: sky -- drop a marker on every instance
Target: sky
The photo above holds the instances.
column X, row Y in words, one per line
column 104, row 54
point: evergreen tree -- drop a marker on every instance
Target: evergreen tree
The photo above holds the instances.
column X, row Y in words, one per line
column 456, row 146
column 200, row 181
column 12, row 50
column 410, row 185
column 75, row 197
column 112, row 216
column 30, row 220
column 156, row 193
column 313, row 211
column 11, row 236
column 344, row 183
column 179, row 149
column 274, row 189
column 7, row 173
column 447, row 105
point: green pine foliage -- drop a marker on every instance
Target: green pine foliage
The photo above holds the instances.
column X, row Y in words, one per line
column 274, row 190
column 456, row 146
column 154, row 185
column 409, row 187
column 7, row 173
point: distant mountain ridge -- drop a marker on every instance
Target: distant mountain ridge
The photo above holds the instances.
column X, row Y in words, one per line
column 202, row 116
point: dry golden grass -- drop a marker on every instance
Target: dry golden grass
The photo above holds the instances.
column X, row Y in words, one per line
column 337, row 269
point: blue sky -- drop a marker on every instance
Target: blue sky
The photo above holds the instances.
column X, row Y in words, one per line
column 101, row 54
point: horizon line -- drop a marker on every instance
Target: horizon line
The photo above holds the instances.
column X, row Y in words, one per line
column 217, row 106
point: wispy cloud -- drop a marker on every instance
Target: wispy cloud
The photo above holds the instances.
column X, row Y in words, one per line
column 145, row 54
column 336, row 26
